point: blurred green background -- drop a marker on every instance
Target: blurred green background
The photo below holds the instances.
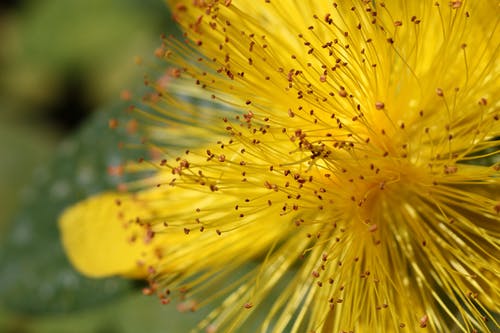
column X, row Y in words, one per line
column 63, row 64
column 59, row 61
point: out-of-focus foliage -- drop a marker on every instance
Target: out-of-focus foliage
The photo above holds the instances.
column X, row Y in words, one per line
column 132, row 314
column 52, row 46
column 59, row 60
column 36, row 276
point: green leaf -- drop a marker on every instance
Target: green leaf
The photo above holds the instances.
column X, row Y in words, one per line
column 21, row 147
column 35, row 276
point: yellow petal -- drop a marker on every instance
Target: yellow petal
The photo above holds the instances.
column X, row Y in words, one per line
column 123, row 234
column 101, row 239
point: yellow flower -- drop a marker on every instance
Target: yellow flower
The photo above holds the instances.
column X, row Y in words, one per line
column 341, row 147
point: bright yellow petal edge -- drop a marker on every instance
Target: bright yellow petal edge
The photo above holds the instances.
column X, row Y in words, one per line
column 100, row 241
column 115, row 234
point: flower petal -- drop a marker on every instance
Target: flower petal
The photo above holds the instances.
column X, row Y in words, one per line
column 98, row 239
column 128, row 234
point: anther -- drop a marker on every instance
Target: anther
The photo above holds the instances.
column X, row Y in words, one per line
column 496, row 208
column 379, row 105
column 423, row 321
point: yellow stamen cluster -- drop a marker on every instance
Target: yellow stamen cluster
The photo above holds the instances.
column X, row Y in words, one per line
column 341, row 146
